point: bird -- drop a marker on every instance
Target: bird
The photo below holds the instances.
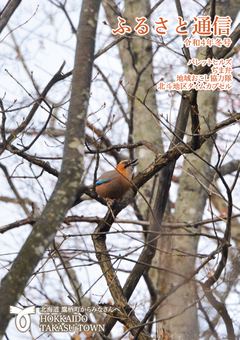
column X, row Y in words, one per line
column 112, row 185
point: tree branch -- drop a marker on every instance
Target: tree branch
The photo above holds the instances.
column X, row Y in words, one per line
column 8, row 12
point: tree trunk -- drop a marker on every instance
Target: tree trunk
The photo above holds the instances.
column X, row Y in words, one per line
column 177, row 253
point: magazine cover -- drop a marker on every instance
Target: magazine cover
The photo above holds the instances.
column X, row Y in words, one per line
column 119, row 164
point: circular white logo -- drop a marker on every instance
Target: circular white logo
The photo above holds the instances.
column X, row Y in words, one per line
column 22, row 313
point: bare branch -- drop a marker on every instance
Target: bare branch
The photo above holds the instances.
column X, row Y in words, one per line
column 8, row 12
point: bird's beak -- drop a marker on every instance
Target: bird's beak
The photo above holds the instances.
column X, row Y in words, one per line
column 132, row 163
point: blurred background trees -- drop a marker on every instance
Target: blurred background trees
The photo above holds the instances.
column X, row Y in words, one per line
column 169, row 260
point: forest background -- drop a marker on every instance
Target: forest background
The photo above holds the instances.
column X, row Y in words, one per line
column 76, row 100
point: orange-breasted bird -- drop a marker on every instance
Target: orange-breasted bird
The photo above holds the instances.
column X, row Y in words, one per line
column 114, row 184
